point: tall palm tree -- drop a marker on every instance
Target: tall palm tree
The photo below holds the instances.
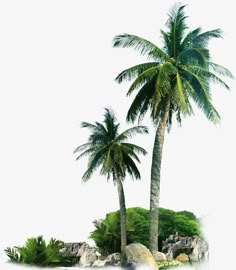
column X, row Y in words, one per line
column 110, row 150
column 176, row 74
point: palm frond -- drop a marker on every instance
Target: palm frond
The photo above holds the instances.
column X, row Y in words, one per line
column 201, row 96
column 179, row 95
column 87, row 152
column 132, row 168
column 187, row 41
column 82, row 147
column 135, row 148
column 202, row 39
column 177, row 26
column 194, row 55
column 144, row 77
column 221, row 70
column 134, row 71
column 129, row 133
column 142, row 45
column 208, row 75
column 141, row 102
column 94, row 162
column 163, row 83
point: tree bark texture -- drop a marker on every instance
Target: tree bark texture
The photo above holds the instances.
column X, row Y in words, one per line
column 122, row 219
column 155, row 181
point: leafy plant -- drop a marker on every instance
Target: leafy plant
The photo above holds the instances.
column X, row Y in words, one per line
column 37, row 252
column 107, row 234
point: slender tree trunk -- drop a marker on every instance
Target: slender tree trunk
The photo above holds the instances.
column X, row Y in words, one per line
column 122, row 219
column 155, row 181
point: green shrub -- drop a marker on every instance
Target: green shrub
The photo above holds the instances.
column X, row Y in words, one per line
column 107, row 231
column 37, row 252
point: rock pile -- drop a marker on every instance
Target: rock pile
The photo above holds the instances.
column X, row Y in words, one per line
column 194, row 247
column 88, row 256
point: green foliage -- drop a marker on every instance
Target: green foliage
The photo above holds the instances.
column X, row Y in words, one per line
column 37, row 252
column 108, row 149
column 107, row 232
column 188, row 214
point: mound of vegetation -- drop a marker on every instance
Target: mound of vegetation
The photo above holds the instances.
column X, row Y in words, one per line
column 107, row 231
column 37, row 252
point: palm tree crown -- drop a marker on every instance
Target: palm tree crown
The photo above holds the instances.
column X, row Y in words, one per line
column 109, row 149
column 178, row 73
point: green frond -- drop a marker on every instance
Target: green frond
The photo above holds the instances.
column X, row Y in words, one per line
column 201, row 96
column 141, row 102
column 208, row 75
column 107, row 164
column 163, row 82
column 82, row 147
column 144, row 77
column 128, row 151
column 220, row 70
column 134, row 71
column 129, row 133
column 194, row 55
column 88, row 125
column 87, row 152
column 135, row 148
column 94, row 162
column 179, row 94
column 188, row 39
column 132, row 168
column 176, row 26
column 142, row 45
column 203, row 39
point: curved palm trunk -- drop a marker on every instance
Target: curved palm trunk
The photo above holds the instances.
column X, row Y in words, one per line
column 122, row 218
column 155, row 181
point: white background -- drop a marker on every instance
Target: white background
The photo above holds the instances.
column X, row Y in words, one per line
column 57, row 68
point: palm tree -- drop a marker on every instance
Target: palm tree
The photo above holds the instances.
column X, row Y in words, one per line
column 110, row 150
column 176, row 74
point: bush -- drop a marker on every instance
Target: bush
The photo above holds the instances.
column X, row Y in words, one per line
column 37, row 252
column 107, row 231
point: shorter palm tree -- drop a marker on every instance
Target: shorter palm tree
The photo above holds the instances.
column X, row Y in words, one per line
column 108, row 149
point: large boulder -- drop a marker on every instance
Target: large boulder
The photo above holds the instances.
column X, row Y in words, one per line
column 138, row 255
column 200, row 250
column 88, row 257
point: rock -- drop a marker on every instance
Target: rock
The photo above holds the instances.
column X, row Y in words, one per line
column 114, row 259
column 88, row 257
column 74, row 249
column 200, row 250
column 182, row 257
column 82, row 248
column 99, row 263
column 195, row 247
column 160, row 256
column 111, row 260
column 138, row 255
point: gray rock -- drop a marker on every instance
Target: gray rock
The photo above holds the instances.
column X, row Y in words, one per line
column 160, row 256
column 138, row 255
column 200, row 250
column 114, row 259
column 88, row 257
column 195, row 247
column 99, row 263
